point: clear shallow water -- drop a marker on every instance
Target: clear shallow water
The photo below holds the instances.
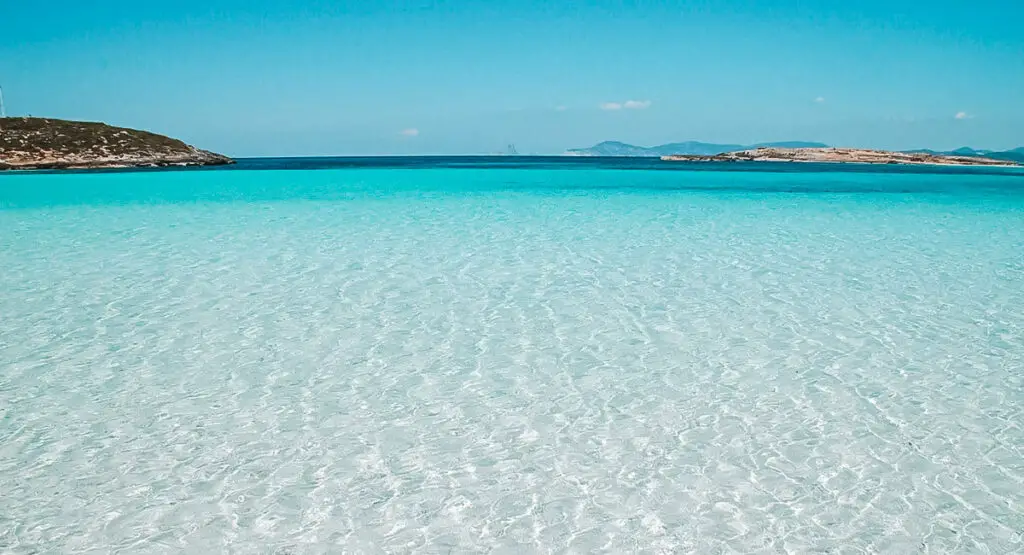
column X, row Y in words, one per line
column 512, row 360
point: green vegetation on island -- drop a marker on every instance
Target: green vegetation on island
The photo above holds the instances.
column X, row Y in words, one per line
column 43, row 143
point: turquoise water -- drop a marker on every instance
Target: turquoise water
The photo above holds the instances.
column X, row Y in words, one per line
column 528, row 359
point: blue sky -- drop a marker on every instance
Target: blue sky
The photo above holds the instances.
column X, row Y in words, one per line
column 266, row 77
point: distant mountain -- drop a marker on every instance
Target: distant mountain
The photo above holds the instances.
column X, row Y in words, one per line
column 612, row 148
column 965, row 151
column 616, row 148
column 1015, row 155
column 690, row 147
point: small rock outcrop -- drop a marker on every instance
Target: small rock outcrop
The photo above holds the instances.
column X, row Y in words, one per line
column 841, row 155
column 42, row 143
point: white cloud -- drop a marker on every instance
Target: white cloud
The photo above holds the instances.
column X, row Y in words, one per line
column 820, row 99
column 636, row 104
column 962, row 115
column 411, row 132
column 559, row 108
column 628, row 105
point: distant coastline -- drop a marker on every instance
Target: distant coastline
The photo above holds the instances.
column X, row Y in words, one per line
column 616, row 148
column 54, row 144
column 840, row 155
column 697, row 148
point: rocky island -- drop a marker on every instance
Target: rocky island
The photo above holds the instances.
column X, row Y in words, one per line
column 840, row 155
column 46, row 144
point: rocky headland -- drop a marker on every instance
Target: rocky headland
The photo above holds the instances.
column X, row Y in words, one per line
column 840, row 155
column 48, row 144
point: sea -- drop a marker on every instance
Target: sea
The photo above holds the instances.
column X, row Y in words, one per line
column 512, row 355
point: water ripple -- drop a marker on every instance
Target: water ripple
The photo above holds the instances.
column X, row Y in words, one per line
column 514, row 372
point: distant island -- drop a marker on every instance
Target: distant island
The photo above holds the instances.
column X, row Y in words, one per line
column 615, row 148
column 45, row 144
column 840, row 155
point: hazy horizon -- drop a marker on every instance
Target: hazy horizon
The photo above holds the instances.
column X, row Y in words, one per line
column 269, row 78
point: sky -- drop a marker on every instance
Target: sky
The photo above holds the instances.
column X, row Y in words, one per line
column 304, row 77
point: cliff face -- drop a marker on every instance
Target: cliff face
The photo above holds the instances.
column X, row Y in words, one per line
column 40, row 143
column 848, row 155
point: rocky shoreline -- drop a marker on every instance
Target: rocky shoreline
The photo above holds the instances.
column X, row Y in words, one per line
column 840, row 155
column 53, row 144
